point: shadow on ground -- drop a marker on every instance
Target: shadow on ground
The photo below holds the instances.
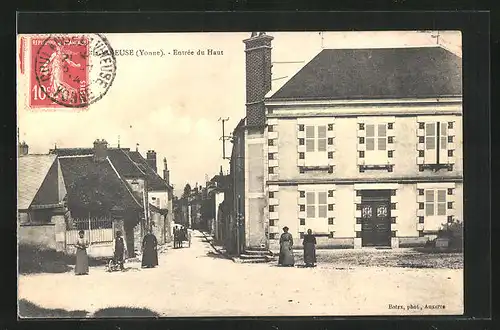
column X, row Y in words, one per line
column 29, row 310
column 125, row 312
column 216, row 255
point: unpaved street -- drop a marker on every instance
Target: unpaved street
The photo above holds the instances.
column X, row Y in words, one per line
column 196, row 282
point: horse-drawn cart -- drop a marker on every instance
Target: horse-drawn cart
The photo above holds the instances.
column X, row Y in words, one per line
column 181, row 235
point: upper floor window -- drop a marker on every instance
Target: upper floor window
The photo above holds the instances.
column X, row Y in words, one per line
column 316, row 145
column 436, row 143
column 375, row 139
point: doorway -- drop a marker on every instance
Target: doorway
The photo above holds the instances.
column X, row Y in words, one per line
column 376, row 218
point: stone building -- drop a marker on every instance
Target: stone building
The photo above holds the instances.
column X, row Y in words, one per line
column 363, row 146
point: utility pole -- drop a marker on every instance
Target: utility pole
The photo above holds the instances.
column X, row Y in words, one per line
column 224, row 138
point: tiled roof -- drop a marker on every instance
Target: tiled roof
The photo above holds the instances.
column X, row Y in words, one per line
column 32, row 170
column 155, row 182
column 118, row 156
column 127, row 163
column 376, row 73
column 94, row 186
column 123, row 163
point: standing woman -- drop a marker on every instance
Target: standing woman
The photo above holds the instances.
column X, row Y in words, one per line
column 309, row 249
column 175, row 237
column 82, row 259
column 286, row 257
column 119, row 250
column 149, row 251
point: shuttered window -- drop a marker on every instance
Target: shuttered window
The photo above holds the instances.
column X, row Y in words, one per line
column 316, row 204
column 436, row 143
column 316, row 145
column 435, row 202
column 376, row 144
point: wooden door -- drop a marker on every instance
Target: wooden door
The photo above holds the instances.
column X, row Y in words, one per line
column 376, row 224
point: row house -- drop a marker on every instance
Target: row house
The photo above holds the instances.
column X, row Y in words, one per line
column 362, row 146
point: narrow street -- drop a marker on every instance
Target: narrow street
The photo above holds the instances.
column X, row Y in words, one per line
column 196, row 281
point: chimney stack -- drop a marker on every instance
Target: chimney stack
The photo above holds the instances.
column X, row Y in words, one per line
column 22, row 149
column 151, row 159
column 258, row 77
column 166, row 172
column 100, row 150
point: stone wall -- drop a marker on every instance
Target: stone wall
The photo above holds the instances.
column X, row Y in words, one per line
column 40, row 235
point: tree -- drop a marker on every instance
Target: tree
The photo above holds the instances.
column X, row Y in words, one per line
column 187, row 191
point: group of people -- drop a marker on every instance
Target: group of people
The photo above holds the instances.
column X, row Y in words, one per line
column 180, row 235
column 149, row 252
column 286, row 257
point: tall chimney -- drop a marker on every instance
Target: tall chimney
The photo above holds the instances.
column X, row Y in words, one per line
column 258, row 77
column 100, row 150
column 151, row 159
column 166, row 172
column 22, row 149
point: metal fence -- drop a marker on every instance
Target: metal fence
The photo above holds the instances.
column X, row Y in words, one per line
column 98, row 230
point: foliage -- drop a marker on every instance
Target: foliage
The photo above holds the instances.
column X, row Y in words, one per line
column 187, row 190
column 453, row 231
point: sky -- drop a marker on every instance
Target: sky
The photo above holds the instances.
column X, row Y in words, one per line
column 172, row 104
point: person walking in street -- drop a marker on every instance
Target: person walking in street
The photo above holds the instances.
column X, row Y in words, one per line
column 119, row 250
column 82, row 259
column 176, row 238
column 286, row 257
column 309, row 243
column 149, row 251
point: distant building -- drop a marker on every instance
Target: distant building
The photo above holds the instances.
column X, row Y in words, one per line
column 363, row 146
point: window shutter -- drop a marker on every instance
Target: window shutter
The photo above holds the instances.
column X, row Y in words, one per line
column 430, row 143
column 310, row 139
column 429, row 202
column 311, row 203
column 382, row 137
column 322, row 138
column 322, row 205
column 443, row 143
column 370, row 137
column 441, row 202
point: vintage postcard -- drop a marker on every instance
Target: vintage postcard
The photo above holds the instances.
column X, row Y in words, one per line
column 240, row 174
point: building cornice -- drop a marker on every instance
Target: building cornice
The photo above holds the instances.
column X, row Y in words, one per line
column 401, row 180
column 363, row 102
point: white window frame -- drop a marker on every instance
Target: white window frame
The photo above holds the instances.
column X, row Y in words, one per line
column 314, row 156
column 435, row 208
column 438, row 153
column 377, row 155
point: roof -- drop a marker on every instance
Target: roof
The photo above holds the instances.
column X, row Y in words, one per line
column 31, row 172
column 123, row 163
column 94, row 186
column 155, row 182
column 376, row 73
column 129, row 164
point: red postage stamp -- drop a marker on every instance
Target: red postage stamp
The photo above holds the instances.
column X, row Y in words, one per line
column 67, row 71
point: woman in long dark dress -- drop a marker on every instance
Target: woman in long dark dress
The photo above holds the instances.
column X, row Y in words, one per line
column 119, row 250
column 309, row 249
column 149, row 251
column 286, row 257
column 82, row 259
column 176, row 238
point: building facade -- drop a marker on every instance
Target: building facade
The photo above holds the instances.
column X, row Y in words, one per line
column 362, row 146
